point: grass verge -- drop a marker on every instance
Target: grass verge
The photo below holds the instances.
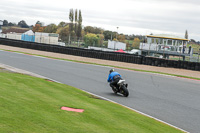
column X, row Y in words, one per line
column 29, row 104
column 139, row 70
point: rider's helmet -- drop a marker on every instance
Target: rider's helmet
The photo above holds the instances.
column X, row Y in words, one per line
column 112, row 70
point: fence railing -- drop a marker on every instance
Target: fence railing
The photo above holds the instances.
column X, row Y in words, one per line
column 122, row 57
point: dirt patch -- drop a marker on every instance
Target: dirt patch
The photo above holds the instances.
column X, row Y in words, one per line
column 95, row 97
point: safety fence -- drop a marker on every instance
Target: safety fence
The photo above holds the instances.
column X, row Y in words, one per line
column 122, row 57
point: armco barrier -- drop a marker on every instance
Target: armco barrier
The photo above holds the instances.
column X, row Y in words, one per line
column 123, row 57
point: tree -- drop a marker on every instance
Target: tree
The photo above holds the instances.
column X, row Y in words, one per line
column 101, row 39
column 89, row 29
column 121, row 38
column 186, row 34
column 109, row 35
column 5, row 23
column 71, row 18
column 22, row 24
column 51, row 28
column 11, row 24
column 192, row 40
column 136, row 43
column 40, row 23
column 79, row 30
column 76, row 21
column 63, row 33
column 95, row 30
column 61, row 24
column 38, row 28
column 91, row 39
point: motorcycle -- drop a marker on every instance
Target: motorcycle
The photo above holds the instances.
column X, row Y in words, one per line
column 121, row 88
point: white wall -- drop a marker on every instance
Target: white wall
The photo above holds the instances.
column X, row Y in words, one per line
column 41, row 34
column 3, row 35
column 147, row 46
column 116, row 45
column 14, row 36
column 46, row 39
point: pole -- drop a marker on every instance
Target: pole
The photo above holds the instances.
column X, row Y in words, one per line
column 164, row 50
column 49, row 39
column 116, row 36
column 116, row 33
column 199, row 51
column 114, row 45
column 198, row 54
column 69, row 39
column 40, row 37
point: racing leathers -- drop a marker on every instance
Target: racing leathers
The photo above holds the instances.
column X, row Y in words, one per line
column 113, row 79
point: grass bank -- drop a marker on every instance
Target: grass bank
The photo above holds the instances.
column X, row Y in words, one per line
column 29, row 104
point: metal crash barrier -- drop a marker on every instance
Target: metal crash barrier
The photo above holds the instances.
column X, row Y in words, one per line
column 122, row 57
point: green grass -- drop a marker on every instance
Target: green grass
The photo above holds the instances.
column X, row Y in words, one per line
column 139, row 70
column 32, row 105
column 195, row 47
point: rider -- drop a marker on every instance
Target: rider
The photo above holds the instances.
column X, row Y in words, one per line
column 113, row 78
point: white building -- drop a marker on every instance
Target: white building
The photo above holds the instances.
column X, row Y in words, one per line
column 164, row 42
column 1, row 23
column 15, row 36
column 48, row 38
column 14, row 33
column 116, row 45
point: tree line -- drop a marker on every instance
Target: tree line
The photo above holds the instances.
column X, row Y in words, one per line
column 71, row 32
column 21, row 24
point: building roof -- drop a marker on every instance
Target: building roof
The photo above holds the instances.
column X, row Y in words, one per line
column 29, row 32
column 15, row 30
column 167, row 36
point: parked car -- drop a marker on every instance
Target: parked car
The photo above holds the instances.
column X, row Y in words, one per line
column 135, row 51
column 61, row 43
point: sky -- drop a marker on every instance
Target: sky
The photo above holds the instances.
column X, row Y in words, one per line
column 139, row 17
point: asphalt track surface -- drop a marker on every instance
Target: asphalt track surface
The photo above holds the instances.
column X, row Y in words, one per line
column 170, row 99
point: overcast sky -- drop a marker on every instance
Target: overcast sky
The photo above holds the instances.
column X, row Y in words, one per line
column 131, row 16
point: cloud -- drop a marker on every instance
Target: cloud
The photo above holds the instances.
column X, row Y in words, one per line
column 132, row 17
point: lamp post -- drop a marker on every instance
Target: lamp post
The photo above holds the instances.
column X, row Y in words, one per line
column 116, row 33
column 116, row 38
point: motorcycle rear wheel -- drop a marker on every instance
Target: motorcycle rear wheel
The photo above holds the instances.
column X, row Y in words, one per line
column 125, row 91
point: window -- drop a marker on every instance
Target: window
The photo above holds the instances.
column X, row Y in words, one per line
column 149, row 40
column 169, row 42
column 165, row 42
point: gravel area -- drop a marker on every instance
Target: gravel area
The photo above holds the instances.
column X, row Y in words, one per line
column 176, row 71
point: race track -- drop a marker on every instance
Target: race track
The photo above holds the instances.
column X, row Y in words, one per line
column 171, row 99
